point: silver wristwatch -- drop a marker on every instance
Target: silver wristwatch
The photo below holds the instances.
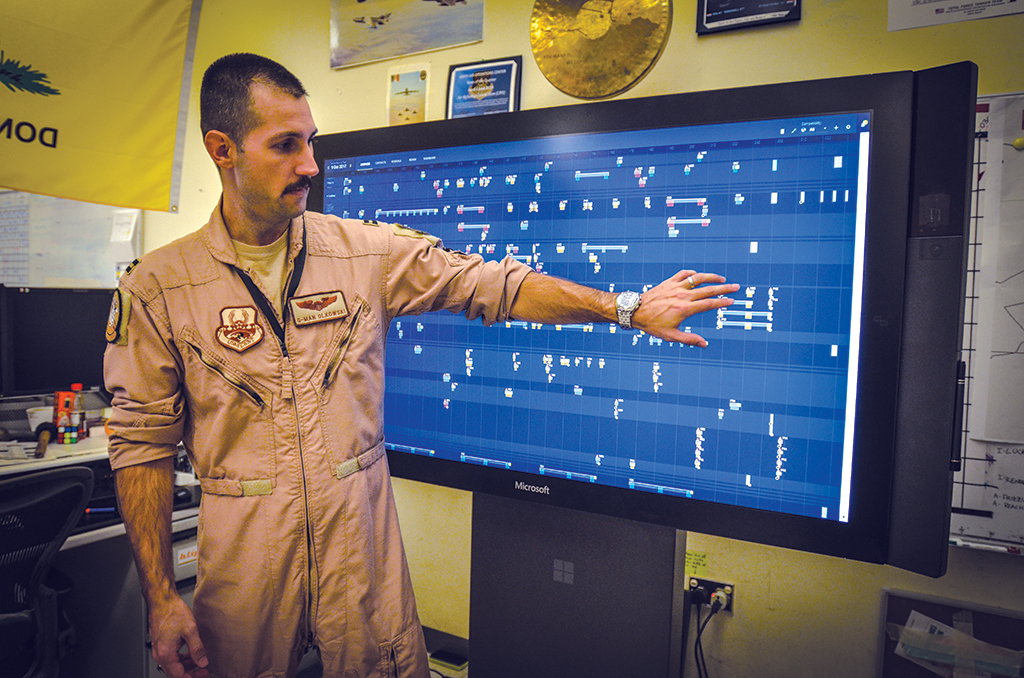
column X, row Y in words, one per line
column 626, row 305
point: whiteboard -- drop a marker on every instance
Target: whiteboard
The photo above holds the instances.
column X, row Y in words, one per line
column 988, row 499
column 52, row 242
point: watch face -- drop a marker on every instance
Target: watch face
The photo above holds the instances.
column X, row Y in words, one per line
column 625, row 304
column 593, row 49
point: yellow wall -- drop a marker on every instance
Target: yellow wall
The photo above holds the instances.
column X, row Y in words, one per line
column 835, row 38
column 796, row 614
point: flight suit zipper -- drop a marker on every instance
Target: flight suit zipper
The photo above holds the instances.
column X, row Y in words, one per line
column 279, row 329
column 329, row 373
column 312, row 576
column 228, row 377
column 339, row 351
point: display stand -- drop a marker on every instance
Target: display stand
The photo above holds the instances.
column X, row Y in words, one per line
column 556, row 592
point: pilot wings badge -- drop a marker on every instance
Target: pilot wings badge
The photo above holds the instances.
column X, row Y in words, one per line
column 239, row 330
column 318, row 307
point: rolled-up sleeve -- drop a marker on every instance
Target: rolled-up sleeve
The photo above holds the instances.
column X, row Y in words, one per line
column 142, row 370
column 424, row 276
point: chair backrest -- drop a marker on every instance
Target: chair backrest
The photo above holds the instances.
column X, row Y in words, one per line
column 37, row 512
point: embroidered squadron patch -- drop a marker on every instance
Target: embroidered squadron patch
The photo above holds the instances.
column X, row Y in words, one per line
column 318, row 307
column 117, row 320
column 239, row 330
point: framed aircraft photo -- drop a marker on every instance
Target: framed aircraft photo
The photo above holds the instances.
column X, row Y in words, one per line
column 364, row 32
column 407, row 93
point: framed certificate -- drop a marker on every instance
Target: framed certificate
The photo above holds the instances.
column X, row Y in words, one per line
column 484, row 87
column 724, row 15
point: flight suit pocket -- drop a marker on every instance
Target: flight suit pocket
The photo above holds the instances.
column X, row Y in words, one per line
column 349, row 386
column 405, row 655
column 232, row 433
column 339, row 347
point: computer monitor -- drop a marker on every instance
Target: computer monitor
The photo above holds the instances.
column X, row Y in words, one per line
column 51, row 337
column 828, row 391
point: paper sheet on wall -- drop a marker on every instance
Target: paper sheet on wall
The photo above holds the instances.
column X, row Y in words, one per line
column 52, row 242
column 905, row 14
column 998, row 397
column 989, row 498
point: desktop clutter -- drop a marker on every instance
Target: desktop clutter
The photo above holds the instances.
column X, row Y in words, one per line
column 66, row 422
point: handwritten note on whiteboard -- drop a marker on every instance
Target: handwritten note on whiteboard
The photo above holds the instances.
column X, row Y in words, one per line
column 988, row 500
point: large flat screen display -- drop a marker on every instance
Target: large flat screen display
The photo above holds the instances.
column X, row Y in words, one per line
column 782, row 430
column 763, row 417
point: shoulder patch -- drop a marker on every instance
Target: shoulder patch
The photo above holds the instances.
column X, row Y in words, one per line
column 371, row 222
column 117, row 320
column 407, row 232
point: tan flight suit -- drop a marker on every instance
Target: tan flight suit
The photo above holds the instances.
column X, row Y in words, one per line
column 298, row 533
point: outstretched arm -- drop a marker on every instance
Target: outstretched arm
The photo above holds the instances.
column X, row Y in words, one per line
column 145, row 496
column 547, row 299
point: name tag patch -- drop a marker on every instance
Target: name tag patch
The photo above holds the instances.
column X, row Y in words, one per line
column 318, row 307
column 239, row 330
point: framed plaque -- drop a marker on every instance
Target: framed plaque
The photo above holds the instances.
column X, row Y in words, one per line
column 723, row 15
column 484, row 87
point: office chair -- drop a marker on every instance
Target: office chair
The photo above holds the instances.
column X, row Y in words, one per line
column 37, row 512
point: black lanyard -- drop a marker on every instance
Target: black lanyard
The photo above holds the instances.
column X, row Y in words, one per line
column 293, row 285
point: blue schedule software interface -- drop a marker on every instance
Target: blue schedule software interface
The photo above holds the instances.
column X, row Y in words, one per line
column 762, row 417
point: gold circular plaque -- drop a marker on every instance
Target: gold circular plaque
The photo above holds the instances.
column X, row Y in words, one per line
column 593, row 49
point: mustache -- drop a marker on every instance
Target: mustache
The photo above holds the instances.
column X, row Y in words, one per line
column 301, row 184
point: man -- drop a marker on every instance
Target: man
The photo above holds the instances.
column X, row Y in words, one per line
column 258, row 342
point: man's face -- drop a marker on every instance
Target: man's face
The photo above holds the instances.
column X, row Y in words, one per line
column 275, row 161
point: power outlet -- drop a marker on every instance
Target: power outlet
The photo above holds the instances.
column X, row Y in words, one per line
column 710, row 587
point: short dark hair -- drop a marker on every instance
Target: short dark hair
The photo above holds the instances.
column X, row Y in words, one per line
column 225, row 98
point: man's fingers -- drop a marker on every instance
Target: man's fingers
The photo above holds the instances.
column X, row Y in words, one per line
column 197, row 653
column 691, row 279
column 176, row 664
column 688, row 338
column 682, row 275
column 710, row 291
column 173, row 669
column 186, row 667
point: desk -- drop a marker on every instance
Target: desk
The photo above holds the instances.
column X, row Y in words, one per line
column 93, row 448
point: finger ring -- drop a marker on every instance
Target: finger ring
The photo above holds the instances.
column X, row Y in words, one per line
column 690, row 283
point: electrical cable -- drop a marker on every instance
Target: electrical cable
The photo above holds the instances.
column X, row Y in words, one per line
column 698, row 646
column 698, row 649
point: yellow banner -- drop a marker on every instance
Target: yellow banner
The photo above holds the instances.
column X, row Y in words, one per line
column 90, row 94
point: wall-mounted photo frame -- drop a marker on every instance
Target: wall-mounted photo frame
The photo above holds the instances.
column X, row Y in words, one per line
column 484, row 87
column 408, row 89
column 714, row 16
column 363, row 32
